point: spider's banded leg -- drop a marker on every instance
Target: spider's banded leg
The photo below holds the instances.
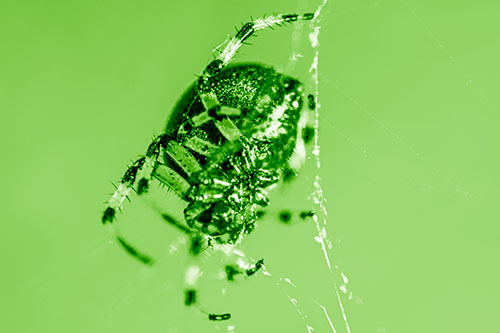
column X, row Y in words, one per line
column 231, row 45
column 228, row 129
column 138, row 170
column 171, row 179
column 201, row 146
column 213, row 111
column 139, row 174
column 183, row 158
column 234, row 141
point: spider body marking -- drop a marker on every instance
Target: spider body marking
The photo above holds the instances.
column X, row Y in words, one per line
column 230, row 138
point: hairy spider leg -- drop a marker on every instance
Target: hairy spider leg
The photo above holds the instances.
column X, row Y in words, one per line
column 213, row 110
column 143, row 169
column 233, row 144
column 138, row 173
column 183, row 158
column 170, row 178
column 231, row 45
column 188, row 162
column 201, row 146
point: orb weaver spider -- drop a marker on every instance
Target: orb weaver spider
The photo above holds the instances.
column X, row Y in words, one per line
column 233, row 135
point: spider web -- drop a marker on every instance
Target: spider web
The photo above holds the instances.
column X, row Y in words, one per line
column 317, row 194
column 73, row 281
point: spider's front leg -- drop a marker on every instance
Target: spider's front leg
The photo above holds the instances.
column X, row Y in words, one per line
column 138, row 175
column 231, row 46
column 141, row 172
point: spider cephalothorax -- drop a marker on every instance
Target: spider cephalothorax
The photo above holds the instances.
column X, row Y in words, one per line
column 230, row 137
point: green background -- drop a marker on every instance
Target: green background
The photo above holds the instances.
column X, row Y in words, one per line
column 408, row 132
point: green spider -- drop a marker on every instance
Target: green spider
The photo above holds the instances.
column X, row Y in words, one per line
column 233, row 135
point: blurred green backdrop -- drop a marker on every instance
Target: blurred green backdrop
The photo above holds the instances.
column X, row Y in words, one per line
column 408, row 132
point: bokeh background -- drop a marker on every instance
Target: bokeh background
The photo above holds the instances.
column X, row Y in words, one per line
column 409, row 134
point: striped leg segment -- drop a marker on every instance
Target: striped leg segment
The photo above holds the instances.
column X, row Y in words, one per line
column 172, row 180
column 231, row 46
column 183, row 158
column 141, row 172
column 138, row 174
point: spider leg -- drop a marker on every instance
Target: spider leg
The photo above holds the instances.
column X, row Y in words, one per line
column 178, row 224
column 198, row 242
column 145, row 259
column 201, row 146
column 138, row 174
column 183, row 158
column 234, row 142
column 213, row 110
column 231, row 45
column 171, row 179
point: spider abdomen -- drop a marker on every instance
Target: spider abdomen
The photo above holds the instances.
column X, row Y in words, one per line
column 269, row 101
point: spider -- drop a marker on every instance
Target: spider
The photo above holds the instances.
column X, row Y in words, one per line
column 234, row 134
